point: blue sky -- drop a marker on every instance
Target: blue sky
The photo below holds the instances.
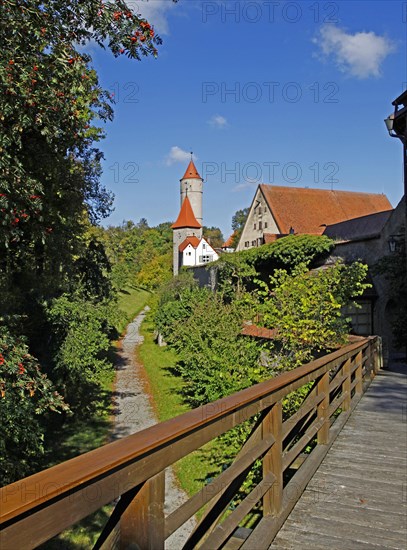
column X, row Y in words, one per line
column 290, row 93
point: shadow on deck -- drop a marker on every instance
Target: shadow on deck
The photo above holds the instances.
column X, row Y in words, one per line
column 358, row 496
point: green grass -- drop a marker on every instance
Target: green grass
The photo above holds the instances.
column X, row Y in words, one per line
column 130, row 302
column 193, row 470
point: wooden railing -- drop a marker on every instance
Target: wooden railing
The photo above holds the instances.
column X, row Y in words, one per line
column 39, row 507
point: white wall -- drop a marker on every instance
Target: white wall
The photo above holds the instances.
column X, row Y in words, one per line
column 259, row 221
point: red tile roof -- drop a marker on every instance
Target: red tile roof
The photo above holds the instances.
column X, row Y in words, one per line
column 270, row 237
column 311, row 210
column 191, row 172
column 186, row 217
column 259, row 332
column 229, row 242
column 194, row 241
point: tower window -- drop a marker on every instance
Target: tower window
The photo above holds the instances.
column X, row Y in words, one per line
column 254, row 226
column 265, row 225
column 260, row 225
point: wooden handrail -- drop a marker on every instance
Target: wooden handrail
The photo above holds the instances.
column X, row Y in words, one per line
column 115, row 469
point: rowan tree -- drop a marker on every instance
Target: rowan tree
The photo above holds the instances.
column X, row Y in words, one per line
column 52, row 115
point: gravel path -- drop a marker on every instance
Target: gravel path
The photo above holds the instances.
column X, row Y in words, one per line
column 133, row 412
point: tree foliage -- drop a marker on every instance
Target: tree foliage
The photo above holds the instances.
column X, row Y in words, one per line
column 303, row 306
column 305, row 310
column 139, row 255
column 238, row 222
column 26, row 395
column 214, row 359
column 236, row 272
column 56, row 280
column 214, row 236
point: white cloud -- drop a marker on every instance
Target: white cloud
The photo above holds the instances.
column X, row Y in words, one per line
column 360, row 54
column 218, row 121
column 248, row 184
column 177, row 154
column 155, row 11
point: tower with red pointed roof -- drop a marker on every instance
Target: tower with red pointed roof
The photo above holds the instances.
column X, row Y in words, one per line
column 189, row 247
column 192, row 186
column 187, row 225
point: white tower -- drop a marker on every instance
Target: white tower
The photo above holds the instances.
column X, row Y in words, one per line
column 192, row 187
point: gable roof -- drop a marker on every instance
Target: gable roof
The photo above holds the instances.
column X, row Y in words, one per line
column 357, row 228
column 193, row 241
column 228, row 243
column 311, row 210
column 186, row 217
column 191, row 172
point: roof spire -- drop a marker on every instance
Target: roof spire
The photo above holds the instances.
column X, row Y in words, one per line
column 186, row 217
column 191, row 172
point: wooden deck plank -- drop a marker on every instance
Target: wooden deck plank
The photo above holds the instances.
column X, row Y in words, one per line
column 358, row 497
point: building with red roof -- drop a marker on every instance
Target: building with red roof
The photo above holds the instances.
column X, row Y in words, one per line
column 189, row 246
column 277, row 211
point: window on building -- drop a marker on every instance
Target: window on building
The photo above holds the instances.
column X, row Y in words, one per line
column 205, row 258
column 259, row 209
column 260, row 225
column 361, row 317
column 265, row 209
column 246, row 244
column 203, row 246
column 265, row 225
column 254, row 226
column 254, row 243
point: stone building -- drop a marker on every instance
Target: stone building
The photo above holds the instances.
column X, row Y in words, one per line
column 277, row 211
column 364, row 227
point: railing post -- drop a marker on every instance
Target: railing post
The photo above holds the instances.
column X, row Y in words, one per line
column 378, row 356
column 359, row 373
column 273, row 460
column 323, row 408
column 142, row 524
column 370, row 359
column 346, row 384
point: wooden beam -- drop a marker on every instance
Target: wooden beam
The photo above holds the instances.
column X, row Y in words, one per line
column 210, row 491
column 323, row 409
column 142, row 522
column 272, row 461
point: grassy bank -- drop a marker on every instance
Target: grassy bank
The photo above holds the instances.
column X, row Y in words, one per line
column 131, row 301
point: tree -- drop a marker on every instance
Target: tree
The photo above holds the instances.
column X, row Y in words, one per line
column 52, row 111
column 238, row 222
column 237, row 271
column 214, row 359
column 305, row 310
column 50, row 105
column 26, row 395
column 214, row 236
